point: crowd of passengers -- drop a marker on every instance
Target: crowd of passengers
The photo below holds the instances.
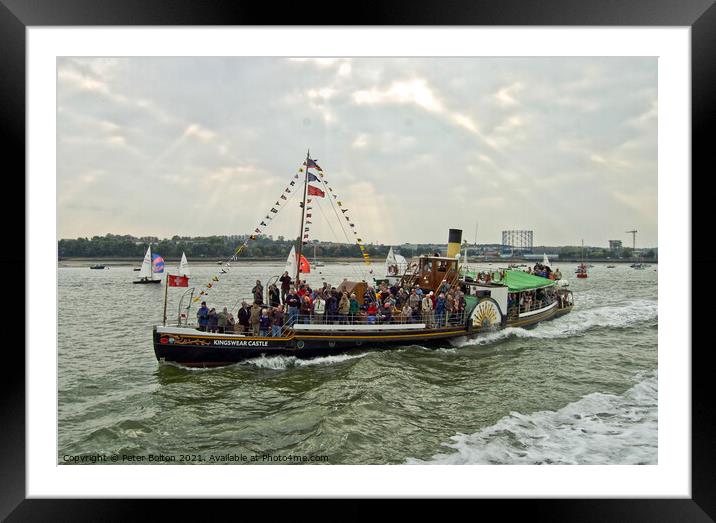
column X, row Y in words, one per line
column 328, row 305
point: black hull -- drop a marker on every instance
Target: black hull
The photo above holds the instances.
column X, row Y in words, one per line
column 213, row 349
column 147, row 281
column 206, row 350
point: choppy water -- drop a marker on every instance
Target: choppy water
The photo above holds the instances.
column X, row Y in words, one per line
column 581, row 389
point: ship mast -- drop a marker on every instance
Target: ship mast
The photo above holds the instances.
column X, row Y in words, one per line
column 303, row 214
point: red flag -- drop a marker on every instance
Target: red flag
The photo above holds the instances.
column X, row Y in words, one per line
column 314, row 191
column 177, row 281
column 303, row 265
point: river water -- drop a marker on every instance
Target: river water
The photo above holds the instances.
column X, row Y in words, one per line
column 581, row 389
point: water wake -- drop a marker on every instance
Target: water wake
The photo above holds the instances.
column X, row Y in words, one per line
column 577, row 322
column 286, row 362
column 598, row 429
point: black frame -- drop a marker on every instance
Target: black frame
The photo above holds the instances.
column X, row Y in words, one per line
column 700, row 15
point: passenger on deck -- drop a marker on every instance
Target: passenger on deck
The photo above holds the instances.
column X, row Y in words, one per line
column 293, row 302
column 372, row 312
column 258, row 292
column 387, row 313
column 222, row 318
column 202, row 316
column 212, row 321
column 344, row 307
column 264, row 323
column 274, row 296
column 306, row 309
column 255, row 318
column 319, row 309
column 406, row 314
column 244, row 316
column 332, row 307
column 440, row 310
column 277, row 320
column 426, row 308
column 285, row 286
column 449, row 309
column 353, row 307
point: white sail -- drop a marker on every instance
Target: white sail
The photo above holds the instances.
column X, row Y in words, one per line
column 146, row 270
column 391, row 264
column 402, row 263
column 291, row 263
column 183, row 266
column 545, row 261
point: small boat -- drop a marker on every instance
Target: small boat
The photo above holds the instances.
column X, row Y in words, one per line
column 581, row 270
column 317, row 263
column 184, row 266
column 137, row 269
column 98, row 266
column 611, row 266
column 151, row 265
column 395, row 267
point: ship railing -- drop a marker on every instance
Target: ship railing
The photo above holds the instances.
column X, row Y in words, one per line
column 432, row 320
column 536, row 305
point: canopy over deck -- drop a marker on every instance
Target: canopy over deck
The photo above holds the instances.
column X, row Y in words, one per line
column 518, row 281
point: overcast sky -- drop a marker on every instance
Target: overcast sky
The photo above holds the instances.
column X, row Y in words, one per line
column 566, row 147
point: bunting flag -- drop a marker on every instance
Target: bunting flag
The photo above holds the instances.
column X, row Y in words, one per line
column 283, row 197
column 308, row 215
column 308, row 200
column 340, row 204
column 320, row 174
column 264, row 224
column 277, row 203
column 274, row 210
column 296, row 177
column 177, row 281
column 292, row 183
column 215, row 278
column 287, row 190
column 312, row 177
column 312, row 163
column 257, row 230
column 309, row 222
column 305, row 229
column 314, row 191
column 344, row 211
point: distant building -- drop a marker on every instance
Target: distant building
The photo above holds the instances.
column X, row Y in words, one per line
column 615, row 246
column 517, row 241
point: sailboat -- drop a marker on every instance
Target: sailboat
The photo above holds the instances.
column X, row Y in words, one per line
column 150, row 267
column 183, row 266
column 582, row 268
column 395, row 266
column 316, row 263
column 292, row 263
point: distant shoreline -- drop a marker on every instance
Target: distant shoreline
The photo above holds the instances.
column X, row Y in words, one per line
column 133, row 262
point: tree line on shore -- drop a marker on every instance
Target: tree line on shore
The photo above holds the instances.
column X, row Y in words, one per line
column 212, row 247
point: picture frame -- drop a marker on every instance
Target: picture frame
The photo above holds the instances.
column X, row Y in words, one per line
column 16, row 16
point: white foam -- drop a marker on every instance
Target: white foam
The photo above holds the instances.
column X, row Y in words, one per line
column 598, row 429
column 286, row 362
column 576, row 322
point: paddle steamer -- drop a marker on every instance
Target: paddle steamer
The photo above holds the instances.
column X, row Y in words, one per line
column 493, row 300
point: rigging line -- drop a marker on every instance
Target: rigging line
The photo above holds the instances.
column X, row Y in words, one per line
column 353, row 269
column 329, row 194
column 234, row 256
column 366, row 276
